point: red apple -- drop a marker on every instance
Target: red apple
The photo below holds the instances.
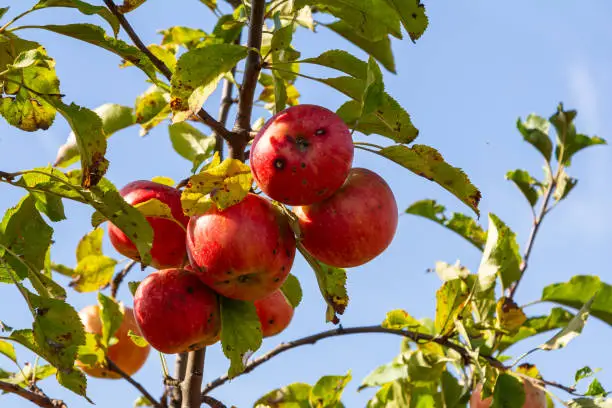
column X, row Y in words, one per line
column 125, row 354
column 176, row 312
column 168, row 237
column 243, row 252
column 302, row 155
column 354, row 225
column 275, row 313
column 534, row 397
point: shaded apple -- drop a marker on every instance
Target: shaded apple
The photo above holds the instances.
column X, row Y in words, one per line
column 125, row 354
column 354, row 225
column 534, row 397
column 243, row 252
column 168, row 237
column 176, row 312
column 274, row 312
column 302, row 155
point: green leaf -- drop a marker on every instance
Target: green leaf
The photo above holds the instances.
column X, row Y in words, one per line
column 578, row 291
column 384, row 374
column 130, row 5
column 137, row 339
column 452, row 391
column 449, row 304
column 95, row 35
column 590, row 403
column 508, row 393
column 394, row 394
column 342, row 61
column 557, row 319
column 85, row 8
column 379, row 49
column 400, row 319
column 227, row 28
column 291, row 396
column 74, row 380
column 426, row 162
column 8, row 350
column 374, row 93
column 596, row 389
column 412, row 15
column 535, row 131
column 240, row 332
column 50, row 205
column 426, row 366
column 90, row 244
column 465, row 226
column 425, row 395
column 280, row 93
column 292, row 290
column 571, row 331
column 91, row 353
column 133, row 286
column 92, row 273
column 529, row 186
column 142, row 401
column 281, row 38
column 564, row 185
column 25, row 234
column 111, row 316
column 190, row 143
column 584, row 372
column 223, row 183
column 197, row 74
column 500, row 256
column 187, row 37
column 150, row 103
column 328, row 390
column 114, row 118
column 24, row 376
column 3, row 11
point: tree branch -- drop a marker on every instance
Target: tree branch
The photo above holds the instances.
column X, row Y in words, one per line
column 119, row 278
column 193, row 379
column 180, row 367
column 33, row 397
column 212, row 402
column 204, row 116
column 340, row 331
column 249, row 82
column 114, row 367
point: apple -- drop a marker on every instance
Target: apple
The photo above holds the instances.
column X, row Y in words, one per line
column 176, row 312
column 243, row 252
column 534, row 397
column 274, row 312
column 302, row 155
column 168, row 237
column 354, row 225
column 125, row 354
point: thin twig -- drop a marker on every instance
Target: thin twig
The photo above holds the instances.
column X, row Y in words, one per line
column 180, row 367
column 36, row 398
column 204, row 116
column 119, row 278
column 113, row 367
column 340, row 331
column 213, row 402
column 193, row 379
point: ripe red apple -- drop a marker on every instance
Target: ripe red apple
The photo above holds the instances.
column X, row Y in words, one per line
column 243, row 252
column 354, row 225
column 534, row 397
column 302, row 155
column 176, row 312
column 275, row 313
column 168, row 237
column 125, row 354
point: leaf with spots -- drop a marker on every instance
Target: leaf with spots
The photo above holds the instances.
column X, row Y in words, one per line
column 150, row 103
column 74, row 380
column 412, row 15
column 450, row 299
column 91, row 353
column 240, row 332
column 500, row 256
column 223, row 183
column 292, row 290
column 465, row 226
column 510, row 317
column 111, row 316
column 138, row 339
column 90, row 244
column 85, row 8
column 332, row 284
column 197, row 74
column 92, row 273
column 427, row 162
column 130, row 5
column 157, row 209
column 327, row 391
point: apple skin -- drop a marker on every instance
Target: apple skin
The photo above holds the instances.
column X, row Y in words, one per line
column 274, row 312
column 176, row 312
column 168, row 237
column 128, row 356
column 534, row 397
column 354, row 225
column 243, row 252
column 302, row 155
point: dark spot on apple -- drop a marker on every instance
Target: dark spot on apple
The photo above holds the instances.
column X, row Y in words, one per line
column 293, row 170
column 244, row 278
column 322, row 191
column 271, row 321
column 283, row 268
column 276, row 279
column 229, row 272
column 287, row 252
column 304, row 182
column 303, row 165
column 189, row 289
column 320, row 132
column 279, row 163
column 302, row 144
column 226, row 282
column 274, row 251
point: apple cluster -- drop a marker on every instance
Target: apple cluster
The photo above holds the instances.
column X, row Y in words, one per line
column 301, row 158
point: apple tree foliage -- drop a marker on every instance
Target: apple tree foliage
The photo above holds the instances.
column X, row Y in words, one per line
column 441, row 358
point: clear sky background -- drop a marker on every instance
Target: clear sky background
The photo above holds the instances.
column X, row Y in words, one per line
column 478, row 67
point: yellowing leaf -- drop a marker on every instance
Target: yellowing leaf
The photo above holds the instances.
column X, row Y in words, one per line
column 90, row 244
column 93, row 272
column 156, row 208
column 137, row 339
column 166, row 181
column 510, row 316
column 92, row 352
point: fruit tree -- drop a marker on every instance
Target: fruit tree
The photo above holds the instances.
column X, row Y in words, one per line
column 281, row 202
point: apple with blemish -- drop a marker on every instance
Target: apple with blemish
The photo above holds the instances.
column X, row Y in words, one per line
column 534, row 397
column 244, row 251
column 168, row 249
column 354, row 225
column 274, row 312
column 302, row 155
column 176, row 312
column 125, row 353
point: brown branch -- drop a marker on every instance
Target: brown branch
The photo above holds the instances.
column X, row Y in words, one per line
column 114, row 367
column 119, row 278
column 36, row 398
column 340, row 331
column 180, row 367
column 193, row 379
column 212, row 402
column 249, row 82
column 204, row 116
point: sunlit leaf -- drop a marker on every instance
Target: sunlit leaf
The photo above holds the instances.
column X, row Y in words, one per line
column 85, row 8
column 240, row 332
column 571, row 331
column 328, row 390
column 529, row 186
column 291, row 396
column 292, row 290
column 501, row 255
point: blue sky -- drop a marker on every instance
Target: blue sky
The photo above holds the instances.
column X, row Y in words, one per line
column 479, row 66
